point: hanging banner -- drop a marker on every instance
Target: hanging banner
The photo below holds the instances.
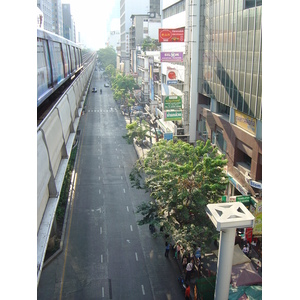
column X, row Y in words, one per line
column 172, row 74
column 170, row 35
column 171, row 56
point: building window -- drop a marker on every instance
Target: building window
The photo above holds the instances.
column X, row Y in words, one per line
column 219, row 141
column 202, row 127
column 243, row 160
column 174, row 9
column 252, row 3
column 223, row 109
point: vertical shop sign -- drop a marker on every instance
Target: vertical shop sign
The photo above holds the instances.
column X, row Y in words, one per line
column 151, row 81
column 257, row 228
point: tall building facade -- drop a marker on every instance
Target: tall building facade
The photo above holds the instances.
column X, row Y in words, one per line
column 57, row 18
column 128, row 8
column 229, row 109
column 46, row 7
column 68, row 23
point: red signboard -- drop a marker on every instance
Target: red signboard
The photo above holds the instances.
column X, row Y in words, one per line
column 170, row 35
column 248, row 234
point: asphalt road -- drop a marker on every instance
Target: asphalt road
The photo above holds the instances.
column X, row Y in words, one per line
column 106, row 254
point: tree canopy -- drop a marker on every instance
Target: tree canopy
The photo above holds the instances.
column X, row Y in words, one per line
column 107, row 56
column 150, row 44
column 182, row 180
column 137, row 131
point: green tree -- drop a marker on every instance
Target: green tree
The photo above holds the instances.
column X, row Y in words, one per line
column 182, row 179
column 136, row 130
column 123, row 86
column 123, row 82
column 110, row 71
column 150, row 44
column 107, row 56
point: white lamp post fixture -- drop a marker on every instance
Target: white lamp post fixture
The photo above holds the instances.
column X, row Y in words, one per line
column 227, row 217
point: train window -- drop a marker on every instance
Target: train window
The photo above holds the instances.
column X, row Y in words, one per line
column 57, row 65
column 66, row 60
column 44, row 76
column 69, row 59
column 77, row 59
column 72, row 58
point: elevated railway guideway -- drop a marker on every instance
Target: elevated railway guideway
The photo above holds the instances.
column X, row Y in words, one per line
column 55, row 138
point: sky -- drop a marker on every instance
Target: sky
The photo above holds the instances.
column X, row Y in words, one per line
column 92, row 19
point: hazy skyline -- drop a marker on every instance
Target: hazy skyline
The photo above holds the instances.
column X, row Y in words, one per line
column 92, row 19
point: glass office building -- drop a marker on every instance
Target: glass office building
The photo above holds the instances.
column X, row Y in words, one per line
column 230, row 47
column 229, row 108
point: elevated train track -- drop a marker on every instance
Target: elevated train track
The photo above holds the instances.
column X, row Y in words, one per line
column 56, row 133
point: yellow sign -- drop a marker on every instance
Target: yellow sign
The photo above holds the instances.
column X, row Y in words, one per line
column 245, row 122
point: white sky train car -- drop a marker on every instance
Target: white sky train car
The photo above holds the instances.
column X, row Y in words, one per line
column 58, row 60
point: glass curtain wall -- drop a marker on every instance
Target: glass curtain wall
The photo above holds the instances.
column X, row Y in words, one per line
column 230, row 45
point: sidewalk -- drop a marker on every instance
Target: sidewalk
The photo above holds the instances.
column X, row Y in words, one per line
column 209, row 260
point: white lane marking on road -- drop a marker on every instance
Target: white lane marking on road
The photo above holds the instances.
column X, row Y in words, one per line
column 127, row 208
column 101, row 258
column 121, row 177
column 107, row 255
column 124, row 191
column 99, row 178
column 100, row 230
column 102, row 292
column 143, row 290
column 99, row 191
column 136, row 257
column 131, row 228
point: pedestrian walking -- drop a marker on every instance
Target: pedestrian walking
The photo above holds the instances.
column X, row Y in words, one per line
column 184, row 263
column 177, row 251
column 167, row 249
column 246, row 250
column 189, row 269
column 187, row 292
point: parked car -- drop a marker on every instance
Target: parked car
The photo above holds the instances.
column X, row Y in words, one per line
column 106, row 85
column 94, row 90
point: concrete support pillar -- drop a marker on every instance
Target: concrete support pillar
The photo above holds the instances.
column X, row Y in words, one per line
column 227, row 217
column 224, row 268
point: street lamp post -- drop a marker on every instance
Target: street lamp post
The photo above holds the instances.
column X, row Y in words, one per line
column 227, row 217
